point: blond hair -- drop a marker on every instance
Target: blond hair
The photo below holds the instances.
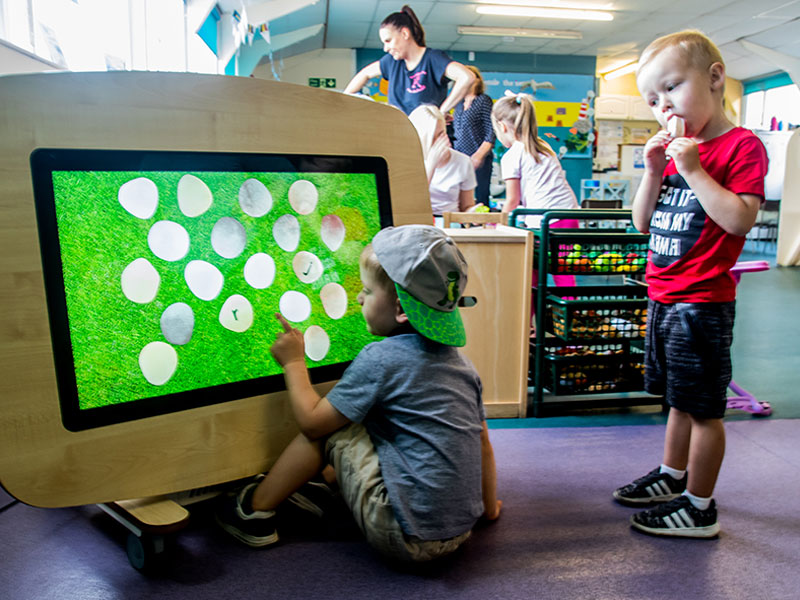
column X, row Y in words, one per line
column 518, row 113
column 370, row 263
column 425, row 118
column 694, row 46
column 479, row 86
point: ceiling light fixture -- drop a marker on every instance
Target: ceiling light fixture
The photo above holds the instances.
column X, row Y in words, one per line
column 556, row 34
column 545, row 13
column 620, row 71
column 551, row 4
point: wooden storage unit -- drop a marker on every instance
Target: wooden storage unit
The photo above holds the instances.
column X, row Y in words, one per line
column 498, row 326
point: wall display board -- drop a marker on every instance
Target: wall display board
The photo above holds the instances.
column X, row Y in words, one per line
column 152, row 224
column 564, row 114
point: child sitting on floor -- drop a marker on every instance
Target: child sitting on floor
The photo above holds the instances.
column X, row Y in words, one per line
column 404, row 428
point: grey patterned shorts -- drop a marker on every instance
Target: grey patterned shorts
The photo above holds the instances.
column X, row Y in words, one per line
column 688, row 355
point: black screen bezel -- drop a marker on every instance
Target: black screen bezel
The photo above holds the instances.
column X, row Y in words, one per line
column 44, row 161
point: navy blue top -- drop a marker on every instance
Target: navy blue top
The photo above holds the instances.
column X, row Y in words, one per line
column 473, row 126
column 425, row 84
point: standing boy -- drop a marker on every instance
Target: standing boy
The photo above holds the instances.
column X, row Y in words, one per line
column 404, row 428
column 700, row 194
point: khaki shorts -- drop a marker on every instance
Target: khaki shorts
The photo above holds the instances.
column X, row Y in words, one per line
column 358, row 473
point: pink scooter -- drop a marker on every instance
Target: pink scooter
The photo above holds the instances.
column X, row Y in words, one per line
column 744, row 400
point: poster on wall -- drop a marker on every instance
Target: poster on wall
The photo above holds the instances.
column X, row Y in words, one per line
column 563, row 103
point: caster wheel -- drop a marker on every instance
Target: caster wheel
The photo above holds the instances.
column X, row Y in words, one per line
column 146, row 553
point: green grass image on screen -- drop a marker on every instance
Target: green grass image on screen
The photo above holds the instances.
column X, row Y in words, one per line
column 100, row 238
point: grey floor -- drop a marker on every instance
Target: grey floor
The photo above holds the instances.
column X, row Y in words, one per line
column 560, row 534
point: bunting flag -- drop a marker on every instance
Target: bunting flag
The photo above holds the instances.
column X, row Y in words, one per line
column 264, row 31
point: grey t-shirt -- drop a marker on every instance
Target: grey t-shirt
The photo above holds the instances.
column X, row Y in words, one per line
column 420, row 402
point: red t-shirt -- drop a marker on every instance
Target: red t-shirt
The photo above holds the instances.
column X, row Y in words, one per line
column 690, row 255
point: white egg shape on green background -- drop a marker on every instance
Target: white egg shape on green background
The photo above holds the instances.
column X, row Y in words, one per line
column 332, row 232
column 194, row 196
column 259, row 271
column 295, row 306
column 140, row 281
column 307, row 267
column 334, row 300
column 177, row 323
column 236, row 314
column 303, row 196
column 168, row 240
column 158, row 362
column 204, row 279
column 228, row 237
column 255, row 199
column 139, row 197
column 317, row 343
column 286, row 232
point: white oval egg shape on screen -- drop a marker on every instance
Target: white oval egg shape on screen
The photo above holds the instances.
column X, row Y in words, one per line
column 177, row 323
column 194, row 196
column 255, row 199
column 168, row 240
column 140, row 281
column 259, row 271
column 158, row 362
column 228, row 237
column 332, row 232
column 307, row 266
column 204, row 279
column 295, row 306
column 334, row 300
column 317, row 342
column 303, row 196
column 236, row 314
column 286, row 232
column 139, row 197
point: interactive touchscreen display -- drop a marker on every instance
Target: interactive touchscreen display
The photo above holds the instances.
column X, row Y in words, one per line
column 164, row 271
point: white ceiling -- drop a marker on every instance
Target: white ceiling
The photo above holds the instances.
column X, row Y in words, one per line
column 773, row 24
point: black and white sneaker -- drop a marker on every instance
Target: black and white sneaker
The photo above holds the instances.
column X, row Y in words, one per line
column 253, row 527
column 678, row 518
column 653, row 488
column 315, row 497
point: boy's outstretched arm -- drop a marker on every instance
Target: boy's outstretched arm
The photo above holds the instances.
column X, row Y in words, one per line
column 315, row 416
column 491, row 505
column 735, row 213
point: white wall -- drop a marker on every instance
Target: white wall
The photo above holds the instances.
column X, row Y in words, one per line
column 339, row 63
column 17, row 60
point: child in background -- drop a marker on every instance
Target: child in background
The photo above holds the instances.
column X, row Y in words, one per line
column 702, row 187
column 451, row 176
column 411, row 451
column 534, row 177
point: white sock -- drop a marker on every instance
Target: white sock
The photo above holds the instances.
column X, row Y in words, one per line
column 697, row 501
column 675, row 473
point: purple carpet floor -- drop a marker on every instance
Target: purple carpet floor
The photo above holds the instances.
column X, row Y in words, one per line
column 560, row 536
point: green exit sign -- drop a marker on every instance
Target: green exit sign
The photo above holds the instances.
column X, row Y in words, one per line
column 322, row 82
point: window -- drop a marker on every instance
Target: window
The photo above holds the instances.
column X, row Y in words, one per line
column 782, row 103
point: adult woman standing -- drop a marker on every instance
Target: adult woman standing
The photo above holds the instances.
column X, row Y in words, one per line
column 416, row 74
column 474, row 134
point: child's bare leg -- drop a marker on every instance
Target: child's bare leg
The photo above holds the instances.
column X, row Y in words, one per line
column 298, row 463
column 676, row 439
column 706, row 452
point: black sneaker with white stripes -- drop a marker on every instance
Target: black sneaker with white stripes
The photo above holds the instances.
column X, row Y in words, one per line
column 678, row 518
column 653, row 488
